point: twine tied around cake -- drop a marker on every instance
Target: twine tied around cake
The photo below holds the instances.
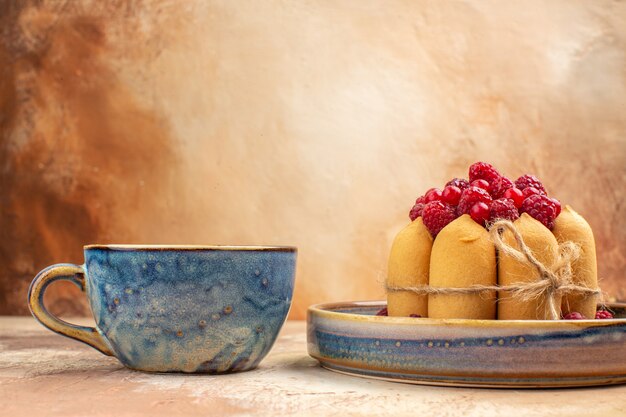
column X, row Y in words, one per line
column 553, row 282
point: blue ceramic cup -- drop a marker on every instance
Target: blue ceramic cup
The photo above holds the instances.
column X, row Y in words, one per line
column 209, row 309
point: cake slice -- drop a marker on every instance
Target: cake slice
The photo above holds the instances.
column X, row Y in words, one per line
column 545, row 248
column 408, row 266
column 571, row 226
column 462, row 255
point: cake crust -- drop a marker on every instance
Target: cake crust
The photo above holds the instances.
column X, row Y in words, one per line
column 408, row 266
column 462, row 255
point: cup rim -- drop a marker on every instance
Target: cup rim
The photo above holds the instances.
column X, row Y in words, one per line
column 163, row 247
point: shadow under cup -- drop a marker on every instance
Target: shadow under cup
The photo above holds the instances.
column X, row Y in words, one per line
column 184, row 309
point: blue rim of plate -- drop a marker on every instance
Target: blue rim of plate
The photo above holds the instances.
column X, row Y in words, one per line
column 348, row 338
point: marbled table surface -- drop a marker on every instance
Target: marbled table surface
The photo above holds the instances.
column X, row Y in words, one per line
column 43, row 374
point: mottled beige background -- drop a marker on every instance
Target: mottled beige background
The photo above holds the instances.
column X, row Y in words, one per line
column 309, row 123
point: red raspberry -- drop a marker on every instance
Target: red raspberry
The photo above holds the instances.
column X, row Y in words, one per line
column 574, row 315
column 436, row 215
column 503, row 208
column 416, row 211
column 480, row 213
column 482, row 171
column 471, row 196
column 459, row 182
column 557, row 206
column 382, row 312
column 516, row 195
column 480, row 184
column 528, row 180
column 528, row 191
column 603, row 314
column 541, row 208
column 451, row 195
column 499, row 186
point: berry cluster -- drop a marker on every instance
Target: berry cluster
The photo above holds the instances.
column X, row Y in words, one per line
column 486, row 197
column 600, row 315
column 384, row 312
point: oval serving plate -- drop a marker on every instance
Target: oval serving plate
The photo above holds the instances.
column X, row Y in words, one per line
column 349, row 338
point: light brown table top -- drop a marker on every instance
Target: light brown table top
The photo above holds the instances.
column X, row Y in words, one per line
column 43, row 374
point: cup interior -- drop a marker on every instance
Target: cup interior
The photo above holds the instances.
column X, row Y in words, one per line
column 158, row 247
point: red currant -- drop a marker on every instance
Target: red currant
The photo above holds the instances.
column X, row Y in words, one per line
column 480, row 184
column 434, row 194
column 516, row 195
column 480, row 213
column 451, row 195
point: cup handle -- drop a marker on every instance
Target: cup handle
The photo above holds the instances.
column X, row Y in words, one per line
column 76, row 275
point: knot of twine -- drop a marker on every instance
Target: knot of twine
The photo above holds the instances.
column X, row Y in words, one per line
column 553, row 282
